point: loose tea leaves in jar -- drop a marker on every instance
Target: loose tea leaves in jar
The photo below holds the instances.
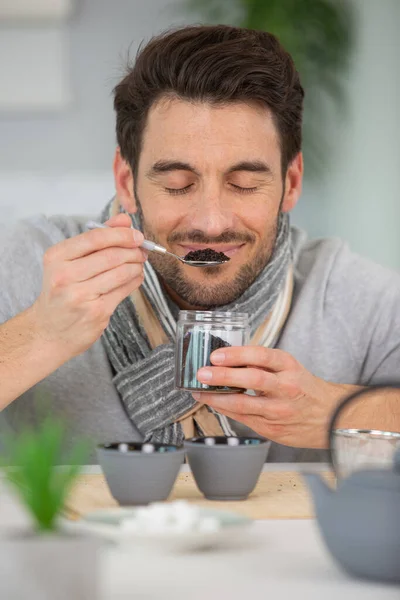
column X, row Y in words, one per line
column 196, row 350
column 198, row 334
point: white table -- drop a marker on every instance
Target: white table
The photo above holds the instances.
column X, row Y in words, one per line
column 289, row 561
column 286, row 559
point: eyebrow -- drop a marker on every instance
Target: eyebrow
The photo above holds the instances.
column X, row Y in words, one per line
column 166, row 166
column 253, row 166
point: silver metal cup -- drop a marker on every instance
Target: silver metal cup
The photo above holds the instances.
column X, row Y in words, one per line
column 356, row 449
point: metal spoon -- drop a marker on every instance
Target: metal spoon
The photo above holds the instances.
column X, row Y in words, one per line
column 152, row 247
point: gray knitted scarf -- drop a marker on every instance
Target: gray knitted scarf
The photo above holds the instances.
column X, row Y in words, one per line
column 143, row 377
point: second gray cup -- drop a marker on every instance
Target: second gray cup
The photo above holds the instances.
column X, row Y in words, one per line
column 226, row 468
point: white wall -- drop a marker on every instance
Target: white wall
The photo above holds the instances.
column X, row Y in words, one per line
column 359, row 197
column 61, row 162
column 82, row 138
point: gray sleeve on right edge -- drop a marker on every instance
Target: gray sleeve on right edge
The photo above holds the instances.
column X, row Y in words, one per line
column 382, row 362
column 366, row 298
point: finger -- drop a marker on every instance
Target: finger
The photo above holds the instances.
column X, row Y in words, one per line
column 120, row 220
column 256, row 356
column 246, row 378
column 82, row 269
column 92, row 241
column 112, row 299
column 106, row 282
column 243, row 404
column 279, row 432
column 254, row 422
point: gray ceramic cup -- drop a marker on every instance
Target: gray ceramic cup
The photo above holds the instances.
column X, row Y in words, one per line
column 139, row 473
column 226, row 468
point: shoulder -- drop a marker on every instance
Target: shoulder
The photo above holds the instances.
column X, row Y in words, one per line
column 39, row 230
column 22, row 246
column 345, row 314
column 331, row 264
column 24, row 242
column 347, row 296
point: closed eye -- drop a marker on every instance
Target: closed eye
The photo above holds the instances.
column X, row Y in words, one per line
column 185, row 190
column 244, row 190
column 177, row 191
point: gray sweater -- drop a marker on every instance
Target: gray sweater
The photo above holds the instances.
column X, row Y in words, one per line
column 344, row 326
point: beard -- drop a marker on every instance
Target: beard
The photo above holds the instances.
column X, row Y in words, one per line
column 212, row 292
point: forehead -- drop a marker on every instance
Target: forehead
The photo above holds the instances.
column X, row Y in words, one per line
column 210, row 133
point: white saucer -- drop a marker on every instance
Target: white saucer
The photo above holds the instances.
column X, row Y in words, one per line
column 233, row 530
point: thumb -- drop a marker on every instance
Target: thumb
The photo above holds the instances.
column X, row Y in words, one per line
column 120, row 220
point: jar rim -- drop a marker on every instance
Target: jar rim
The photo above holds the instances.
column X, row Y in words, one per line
column 210, row 315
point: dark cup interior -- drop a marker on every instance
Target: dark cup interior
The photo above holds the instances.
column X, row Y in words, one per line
column 221, row 440
column 139, row 447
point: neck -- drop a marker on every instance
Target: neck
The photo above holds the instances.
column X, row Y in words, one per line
column 183, row 305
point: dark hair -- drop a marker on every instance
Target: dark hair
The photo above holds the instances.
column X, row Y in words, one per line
column 217, row 64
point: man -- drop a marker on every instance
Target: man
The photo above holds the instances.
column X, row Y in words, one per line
column 209, row 155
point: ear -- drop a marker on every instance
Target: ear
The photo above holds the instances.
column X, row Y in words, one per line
column 123, row 178
column 293, row 183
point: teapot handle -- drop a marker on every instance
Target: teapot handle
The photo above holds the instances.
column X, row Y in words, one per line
column 345, row 402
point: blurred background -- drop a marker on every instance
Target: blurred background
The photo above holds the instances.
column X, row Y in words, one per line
column 59, row 60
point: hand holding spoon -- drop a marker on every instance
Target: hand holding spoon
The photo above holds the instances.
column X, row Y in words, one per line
column 153, row 247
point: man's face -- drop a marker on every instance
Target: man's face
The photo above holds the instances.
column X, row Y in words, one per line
column 210, row 176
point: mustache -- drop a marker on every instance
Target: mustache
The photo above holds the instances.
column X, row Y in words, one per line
column 198, row 237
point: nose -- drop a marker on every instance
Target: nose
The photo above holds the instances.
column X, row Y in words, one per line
column 211, row 214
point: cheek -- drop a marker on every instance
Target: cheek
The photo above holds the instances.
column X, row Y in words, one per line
column 257, row 218
column 161, row 217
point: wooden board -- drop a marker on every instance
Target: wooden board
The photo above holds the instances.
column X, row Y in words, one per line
column 278, row 495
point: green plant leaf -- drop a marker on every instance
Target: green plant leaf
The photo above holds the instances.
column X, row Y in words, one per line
column 35, row 455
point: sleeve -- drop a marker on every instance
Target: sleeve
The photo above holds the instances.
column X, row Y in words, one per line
column 382, row 359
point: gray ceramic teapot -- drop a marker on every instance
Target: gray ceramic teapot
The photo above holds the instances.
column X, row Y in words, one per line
column 360, row 521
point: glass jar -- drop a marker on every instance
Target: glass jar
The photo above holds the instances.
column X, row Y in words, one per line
column 198, row 334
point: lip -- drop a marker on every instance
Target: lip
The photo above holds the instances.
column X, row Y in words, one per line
column 227, row 249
